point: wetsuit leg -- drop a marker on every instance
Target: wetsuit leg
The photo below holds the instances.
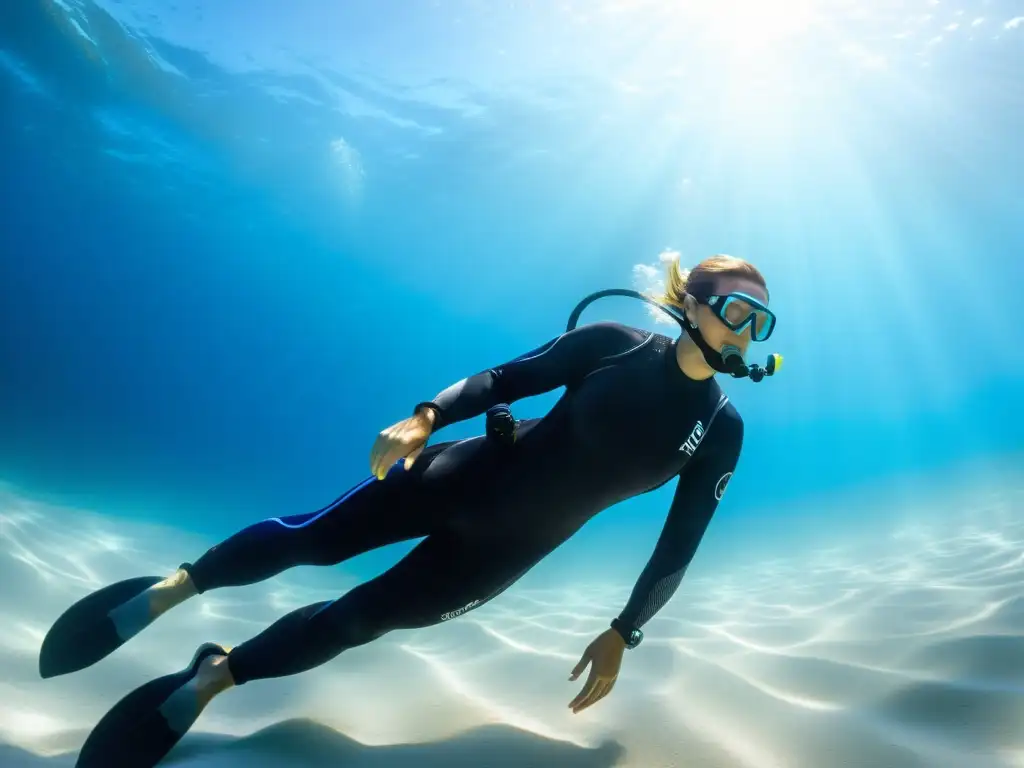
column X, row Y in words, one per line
column 373, row 514
column 442, row 578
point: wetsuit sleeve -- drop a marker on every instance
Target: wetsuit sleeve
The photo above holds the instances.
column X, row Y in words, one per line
column 701, row 485
column 563, row 360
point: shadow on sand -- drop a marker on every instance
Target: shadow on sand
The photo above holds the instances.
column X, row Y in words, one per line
column 305, row 744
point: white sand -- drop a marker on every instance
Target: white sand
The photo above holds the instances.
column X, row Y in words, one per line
column 908, row 651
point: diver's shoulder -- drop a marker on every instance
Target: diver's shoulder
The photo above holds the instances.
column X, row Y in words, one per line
column 613, row 332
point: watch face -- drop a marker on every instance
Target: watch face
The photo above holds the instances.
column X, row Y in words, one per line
column 635, row 637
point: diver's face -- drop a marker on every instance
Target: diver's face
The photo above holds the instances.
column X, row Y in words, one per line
column 716, row 333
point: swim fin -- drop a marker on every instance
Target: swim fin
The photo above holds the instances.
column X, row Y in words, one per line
column 140, row 730
column 85, row 633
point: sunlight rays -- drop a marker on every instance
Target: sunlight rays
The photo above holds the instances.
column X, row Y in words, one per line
column 768, row 93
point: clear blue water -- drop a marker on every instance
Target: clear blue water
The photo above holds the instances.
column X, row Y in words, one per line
column 239, row 239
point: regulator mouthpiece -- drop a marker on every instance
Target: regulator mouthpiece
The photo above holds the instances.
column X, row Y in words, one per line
column 754, row 371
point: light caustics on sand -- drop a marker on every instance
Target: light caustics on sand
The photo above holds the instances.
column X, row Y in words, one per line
column 908, row 652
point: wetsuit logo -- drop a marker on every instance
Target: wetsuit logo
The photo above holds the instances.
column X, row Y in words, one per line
column 459, row 611
column 723, row 481
column 691, row 443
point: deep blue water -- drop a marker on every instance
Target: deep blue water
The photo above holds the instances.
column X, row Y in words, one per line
column 198, row 316
column 210, row 307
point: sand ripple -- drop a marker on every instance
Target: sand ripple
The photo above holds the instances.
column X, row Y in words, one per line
column 907, row 653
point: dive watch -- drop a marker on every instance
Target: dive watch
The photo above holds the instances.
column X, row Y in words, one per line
column 632, row 636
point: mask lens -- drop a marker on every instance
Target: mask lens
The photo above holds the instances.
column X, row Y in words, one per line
column 737, row 312
column 762, row 325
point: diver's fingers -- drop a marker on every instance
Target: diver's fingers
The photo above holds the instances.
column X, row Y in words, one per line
column 588, row 689
column 580, row 697
column 611, row 685
column 379, row 445
column 605, row 690
column 387, row 459
column 582, row 665
column 602, row 691
column 595, row 694
column 381, row 457
column 411, row 458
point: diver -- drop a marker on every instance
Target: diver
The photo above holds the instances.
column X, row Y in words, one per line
column 638, row 410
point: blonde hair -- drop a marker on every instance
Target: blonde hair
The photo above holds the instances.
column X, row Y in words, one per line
column 678, row 279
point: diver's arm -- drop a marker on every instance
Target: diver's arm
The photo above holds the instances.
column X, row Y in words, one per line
column 564, row 359
column 698, row 492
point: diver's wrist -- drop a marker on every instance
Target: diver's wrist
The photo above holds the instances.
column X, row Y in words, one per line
column 429, row 410
column 632, row 636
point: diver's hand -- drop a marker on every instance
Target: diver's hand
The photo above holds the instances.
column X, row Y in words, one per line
column 406, row 439
column 604, row 656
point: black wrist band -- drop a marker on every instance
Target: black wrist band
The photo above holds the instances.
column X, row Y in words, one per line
column 432, row 406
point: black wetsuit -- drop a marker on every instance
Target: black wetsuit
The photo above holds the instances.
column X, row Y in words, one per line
column 628, row 422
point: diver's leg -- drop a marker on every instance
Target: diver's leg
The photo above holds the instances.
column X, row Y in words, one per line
column 373, row 514
column 442, row 578
column 402, row 506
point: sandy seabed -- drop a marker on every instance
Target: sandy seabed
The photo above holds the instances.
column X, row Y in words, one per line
column 907, row 650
